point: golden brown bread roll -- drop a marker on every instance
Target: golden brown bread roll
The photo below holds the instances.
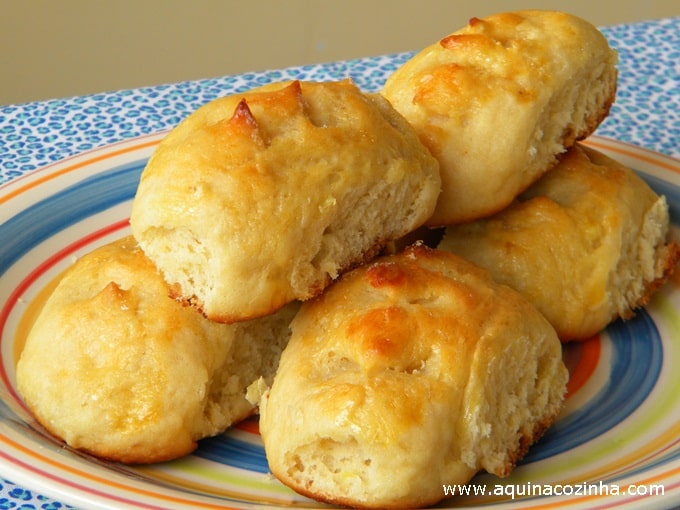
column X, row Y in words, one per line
column 410, row 372
column 115, row 367
column 264, row 197
column 499, row 99
column 585, row 244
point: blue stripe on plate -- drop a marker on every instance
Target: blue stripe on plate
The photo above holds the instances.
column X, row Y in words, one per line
column 45, row 218
column 637, row 356
column 234, row 452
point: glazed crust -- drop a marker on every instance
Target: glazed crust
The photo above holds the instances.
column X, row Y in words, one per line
column 498, row 100
column 265, row 197
column 588, row 243
column 417, row 360
column 115, row 367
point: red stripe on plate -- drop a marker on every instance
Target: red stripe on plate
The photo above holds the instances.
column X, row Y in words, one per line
column 38, row 272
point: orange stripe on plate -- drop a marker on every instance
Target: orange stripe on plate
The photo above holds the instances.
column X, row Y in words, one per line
column 107, row 481
column 250, row 425
column 591, row 497
column 637, row 153
column 590, row 356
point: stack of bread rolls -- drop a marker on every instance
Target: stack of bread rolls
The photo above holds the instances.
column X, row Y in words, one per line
column 268, row 260
column 369, row 406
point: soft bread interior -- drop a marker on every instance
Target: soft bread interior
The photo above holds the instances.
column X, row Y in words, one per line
column 571, row 114
column 649, row 259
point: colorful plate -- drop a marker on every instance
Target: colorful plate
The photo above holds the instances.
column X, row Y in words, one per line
column 618, row 440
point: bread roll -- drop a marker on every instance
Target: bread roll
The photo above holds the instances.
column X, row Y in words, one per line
column 116, row 368
column 498, row 100
column 410, row 372
column 589, row 242
column 264, row 197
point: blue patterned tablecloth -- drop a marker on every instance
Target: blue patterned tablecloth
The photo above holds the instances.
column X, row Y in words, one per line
column 646, row 113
